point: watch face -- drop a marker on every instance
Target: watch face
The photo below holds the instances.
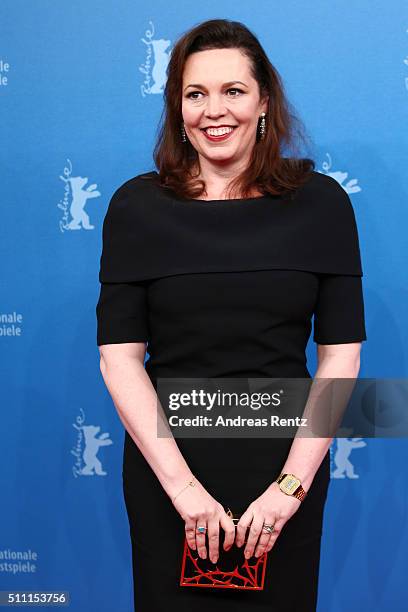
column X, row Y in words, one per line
column 289, row 484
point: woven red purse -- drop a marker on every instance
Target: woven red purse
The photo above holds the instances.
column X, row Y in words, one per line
column 231, row 571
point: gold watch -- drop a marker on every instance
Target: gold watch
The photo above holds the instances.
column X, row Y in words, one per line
column 289, row 484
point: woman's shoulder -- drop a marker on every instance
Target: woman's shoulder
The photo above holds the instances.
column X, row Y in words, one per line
column 324, row 196
column 137, row 184
column 323, row 184
column 132, row 197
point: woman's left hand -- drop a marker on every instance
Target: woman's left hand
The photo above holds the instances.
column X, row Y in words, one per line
column 273, row 507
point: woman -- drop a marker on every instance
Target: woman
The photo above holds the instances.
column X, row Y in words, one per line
column 219, row 261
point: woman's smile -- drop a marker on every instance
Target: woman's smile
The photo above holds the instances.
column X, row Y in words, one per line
column 219, row 134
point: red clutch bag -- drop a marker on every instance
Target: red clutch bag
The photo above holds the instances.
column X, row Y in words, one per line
column 231, row 571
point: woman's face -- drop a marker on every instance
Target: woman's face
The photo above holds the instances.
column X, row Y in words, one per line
column 218, row 90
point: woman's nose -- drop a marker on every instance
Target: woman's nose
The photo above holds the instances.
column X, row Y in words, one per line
column 215, row 106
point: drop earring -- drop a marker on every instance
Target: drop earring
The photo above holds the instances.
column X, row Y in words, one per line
column 183, row 133
column 262, row 126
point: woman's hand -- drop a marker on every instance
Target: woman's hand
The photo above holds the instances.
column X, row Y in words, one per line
column 199, row 509
column 273, row 507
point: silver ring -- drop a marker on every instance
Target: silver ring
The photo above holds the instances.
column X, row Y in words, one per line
column 201, row 529
column 268, row 528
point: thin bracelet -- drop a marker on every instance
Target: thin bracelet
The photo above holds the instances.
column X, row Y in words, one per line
column 190, row 484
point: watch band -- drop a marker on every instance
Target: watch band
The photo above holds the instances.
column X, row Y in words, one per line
column 299, row 493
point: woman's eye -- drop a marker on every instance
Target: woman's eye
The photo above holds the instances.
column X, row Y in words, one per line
column 235, row 89
column 192, row 93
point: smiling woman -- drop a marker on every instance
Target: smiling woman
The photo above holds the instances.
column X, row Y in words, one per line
column 221, row 127
column 225, row 287
column 219, row 76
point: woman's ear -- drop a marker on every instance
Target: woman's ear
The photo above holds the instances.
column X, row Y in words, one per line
column 264, row 104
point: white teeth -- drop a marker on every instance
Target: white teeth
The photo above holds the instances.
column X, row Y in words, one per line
column 219, row 131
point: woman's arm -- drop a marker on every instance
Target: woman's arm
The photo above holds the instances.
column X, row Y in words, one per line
column 307, row 454
column 138, row 407
column 135, row 399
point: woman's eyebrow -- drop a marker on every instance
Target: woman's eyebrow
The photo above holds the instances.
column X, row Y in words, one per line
column 203, row 86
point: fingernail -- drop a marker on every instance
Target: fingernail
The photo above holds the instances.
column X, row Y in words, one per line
column 214, row 559
column 247, row 554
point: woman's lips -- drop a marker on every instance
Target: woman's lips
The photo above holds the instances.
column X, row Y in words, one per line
column 219, row 138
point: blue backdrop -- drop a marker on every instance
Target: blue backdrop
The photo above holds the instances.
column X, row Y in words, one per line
column 81, row 86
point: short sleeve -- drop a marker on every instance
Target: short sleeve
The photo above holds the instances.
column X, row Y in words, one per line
column 122, row 310
column 122, row 314
column 339, row 310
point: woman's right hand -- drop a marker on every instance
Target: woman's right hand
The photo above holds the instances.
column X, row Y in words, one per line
column 198, row 508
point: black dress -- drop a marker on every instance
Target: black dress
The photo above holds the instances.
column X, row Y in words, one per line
column 227, row 288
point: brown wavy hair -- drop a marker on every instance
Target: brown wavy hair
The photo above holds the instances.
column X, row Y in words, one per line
column 268, row 171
